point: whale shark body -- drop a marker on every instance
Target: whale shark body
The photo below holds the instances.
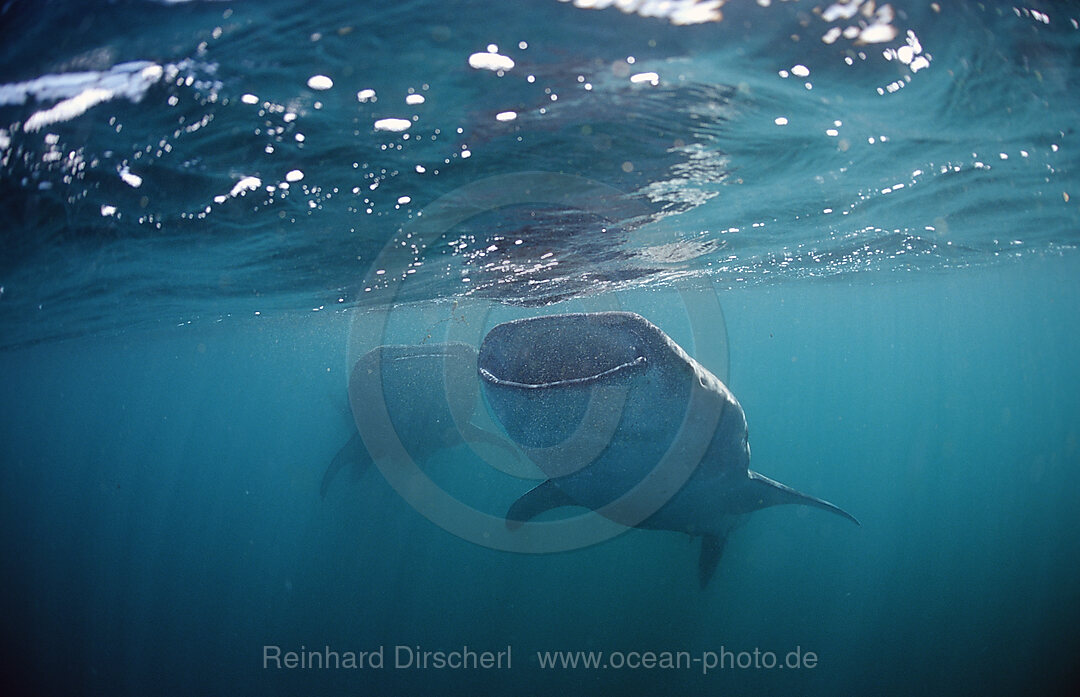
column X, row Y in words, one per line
column 624, row 422
column 429, row 392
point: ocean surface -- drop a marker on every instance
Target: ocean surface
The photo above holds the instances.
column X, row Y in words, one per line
column 863, row 217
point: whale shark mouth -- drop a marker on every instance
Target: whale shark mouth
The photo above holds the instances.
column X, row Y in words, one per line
column 583, row 380
column 559, row 351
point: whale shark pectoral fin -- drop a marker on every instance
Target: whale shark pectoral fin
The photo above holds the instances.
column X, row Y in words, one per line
column 712, row 548
column 343, row 408
column 475, row 434
column 535, row 501
column 352, row 453
column 765, row 492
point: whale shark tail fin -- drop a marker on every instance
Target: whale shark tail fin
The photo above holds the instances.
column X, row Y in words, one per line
column 352, row 453
column 712, row 548
column 765, row 492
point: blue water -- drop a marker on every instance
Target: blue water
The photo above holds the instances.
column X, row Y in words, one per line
column 882, row 200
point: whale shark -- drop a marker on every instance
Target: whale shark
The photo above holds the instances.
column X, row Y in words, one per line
column 624, row 422
column 429, row 392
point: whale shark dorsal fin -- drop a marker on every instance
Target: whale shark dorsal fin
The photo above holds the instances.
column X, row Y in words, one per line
column 712, row 548
column 541, row 498
column 352, row 453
